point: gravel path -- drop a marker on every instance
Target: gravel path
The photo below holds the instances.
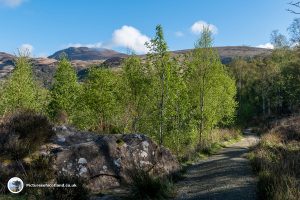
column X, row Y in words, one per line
column 226, row 175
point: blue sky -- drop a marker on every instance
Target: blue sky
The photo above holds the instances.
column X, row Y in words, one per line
column 45, row 26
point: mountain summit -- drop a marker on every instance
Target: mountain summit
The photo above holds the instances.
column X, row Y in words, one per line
column 85, row 53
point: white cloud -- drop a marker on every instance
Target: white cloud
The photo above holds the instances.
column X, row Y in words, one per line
column 11, row 3
column 42, row 55
column 95, row 45
column 266, row 46
column 126, row 37
column 130, row 37
column 26, row 49
column 198, row 27
column 179, row 34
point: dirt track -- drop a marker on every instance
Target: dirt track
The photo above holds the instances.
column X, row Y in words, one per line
column 226, row 175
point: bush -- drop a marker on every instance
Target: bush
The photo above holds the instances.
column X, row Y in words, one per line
column 280, row 187
column 23, row 132
column 38, row 171
column 144, row 186
column 276, row 160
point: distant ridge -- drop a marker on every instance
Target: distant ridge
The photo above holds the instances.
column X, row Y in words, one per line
column 228, row 53
column 85, row 53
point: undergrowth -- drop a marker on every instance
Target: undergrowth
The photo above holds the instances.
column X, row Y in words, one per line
column 147, row 187
column 210, row 144
column 276, row 160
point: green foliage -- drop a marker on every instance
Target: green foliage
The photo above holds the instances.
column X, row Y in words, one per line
column 291, row 79
column 101, row 97
column 137, row 81
column 21, row 90
column 160, row 62
column 211, row 89
column 206, row 40
column 64, row 91
column 178, row 128
column 267, row 86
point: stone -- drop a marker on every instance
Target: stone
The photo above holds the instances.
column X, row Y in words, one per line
column 105, row 161
column 82, row 161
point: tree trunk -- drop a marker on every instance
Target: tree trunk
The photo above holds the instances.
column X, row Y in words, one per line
column 161, row 107
column 264, row 105
column 269, row 107
column 201, row 109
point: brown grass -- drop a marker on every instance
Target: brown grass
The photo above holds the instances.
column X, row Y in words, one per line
column 22, row 132
column 277, row 161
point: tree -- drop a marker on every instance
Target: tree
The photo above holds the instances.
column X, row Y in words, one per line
column 64, row 91
column 294, row 30
column 160, row 60
column 137, row 78
column 21, row 90
column 278, row 40
column 101, row 97
column 177, row 120
column 291, row 84
column 266, row 83
column 243, row 73
column 295, row 4
column 211, row 89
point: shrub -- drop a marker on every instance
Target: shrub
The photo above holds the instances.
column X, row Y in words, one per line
column 145, row 186
column 276, row 160
column 38, row 171
column 23, row 132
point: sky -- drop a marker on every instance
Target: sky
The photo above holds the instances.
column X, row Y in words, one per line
column 45, row 26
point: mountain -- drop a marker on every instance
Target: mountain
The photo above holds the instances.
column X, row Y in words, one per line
column 85, row 53
column 82, row 58
column 6, row 64
column 227, row 53
column 43, row 68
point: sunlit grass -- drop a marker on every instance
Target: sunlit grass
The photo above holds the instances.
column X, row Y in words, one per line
column 277, row 162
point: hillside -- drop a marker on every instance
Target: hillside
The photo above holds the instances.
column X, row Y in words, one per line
column 83, row 57
column 227, row 53
column 85, row 53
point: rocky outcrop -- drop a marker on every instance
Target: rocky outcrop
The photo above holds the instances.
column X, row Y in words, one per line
column 105, row 161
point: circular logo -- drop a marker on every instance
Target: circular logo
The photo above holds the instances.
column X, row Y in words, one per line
column 15, row 185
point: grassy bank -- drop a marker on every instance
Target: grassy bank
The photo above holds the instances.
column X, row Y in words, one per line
column 276, row 160
column 211, row 144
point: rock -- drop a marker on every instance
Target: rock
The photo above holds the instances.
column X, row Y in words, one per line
column 104, row 161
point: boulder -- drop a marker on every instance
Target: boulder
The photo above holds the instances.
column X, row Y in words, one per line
column 105, row 161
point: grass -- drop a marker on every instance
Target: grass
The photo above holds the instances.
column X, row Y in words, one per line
column 211, row 144
column 276, row 160
column 144, row 186
column 12, row 197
